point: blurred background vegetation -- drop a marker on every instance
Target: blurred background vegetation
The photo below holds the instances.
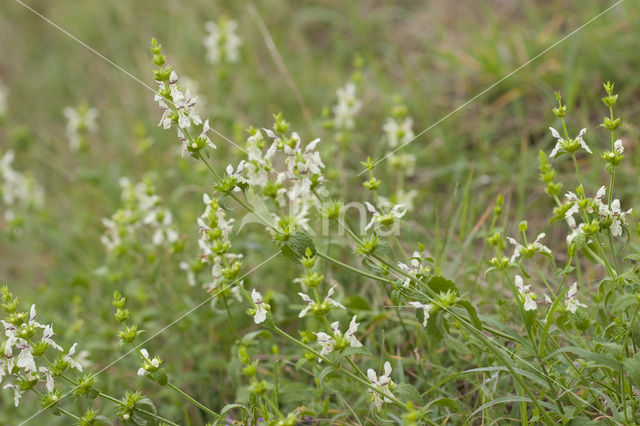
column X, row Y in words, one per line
column 433, row 54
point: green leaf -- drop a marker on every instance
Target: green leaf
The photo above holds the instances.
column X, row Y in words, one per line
column 473, row 313
column 358, row 303
column 508, row 400
column 632, row 257
column 295, row 247
column 587, row 354
column 159, row 376
column 631, row 367
column 261, row 213
column 623, row 302
column 444, row 402
column 440, row 284
column 230, row 407
column 149, row 417
column 356, row 351
column 407, row 392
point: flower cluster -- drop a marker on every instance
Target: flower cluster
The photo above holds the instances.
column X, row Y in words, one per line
column 417, row 268
column 215, row 245
column 383, row 384
column 178, row 107
column 25, row 345
column 142, row 211
column 319, row 308
column 19, row 192
column 338, row 340
column 81, row 122
column 222, row 42
column 347, row 108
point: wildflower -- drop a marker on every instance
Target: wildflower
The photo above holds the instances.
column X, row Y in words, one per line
column 383, row 383
column 80, row 123
column 319, row 308
column 49, row 382
column 25, row 360
column 576, row 230
column 339, row 340
column 398, row 133
column 530, row 249
column 17, row 393
column 617, row 216
column 261, row 308
column 326, row 342
column 347, row 107
column 528, row 297
column 415, row 269
column 426, row 308
column 70, row 361
column 618, row 147
column 148, row 365
column 18, row 192
column 568, row 146
column 47, row 335
column 571, row 302
column 222, row 42
column 381, row 219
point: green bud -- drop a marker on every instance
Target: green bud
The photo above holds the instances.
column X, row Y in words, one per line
column 522, row 226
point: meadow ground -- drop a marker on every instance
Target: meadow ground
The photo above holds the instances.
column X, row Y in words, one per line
column 479, row 77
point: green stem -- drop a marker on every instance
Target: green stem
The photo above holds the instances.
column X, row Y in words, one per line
column 193, row 401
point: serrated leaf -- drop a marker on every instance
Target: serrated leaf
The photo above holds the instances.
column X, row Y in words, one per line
column 356, row 351
column 623, row 302
column 297, row 244
column 444, row 402
column 592, row 356
column 440, row 284
column 631, row 367
column 407, row 392
column 148, row 417
column 473, row 313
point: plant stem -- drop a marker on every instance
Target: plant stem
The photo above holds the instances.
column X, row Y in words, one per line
column 193, row 401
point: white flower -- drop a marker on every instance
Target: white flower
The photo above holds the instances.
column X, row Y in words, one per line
column 380, row 219
column 17, row 393
column 222, row 42
column 236, row 174
column 528, row 297
column 562, row 144
column 80, row 122
column 326, row 342
column 350, row 335
column 260, row 309
column 47, row 335
column 25, row 359
column 19, row 192
column 617, row 217
column 426, row 308
column 346, row 108
column 383, row 383
column 398, row 133
column 619, row 148
column 70, row 361
column 49, row 378
column 571, row 302
column 148, row 365
column 530, row 249
column 323, row 306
